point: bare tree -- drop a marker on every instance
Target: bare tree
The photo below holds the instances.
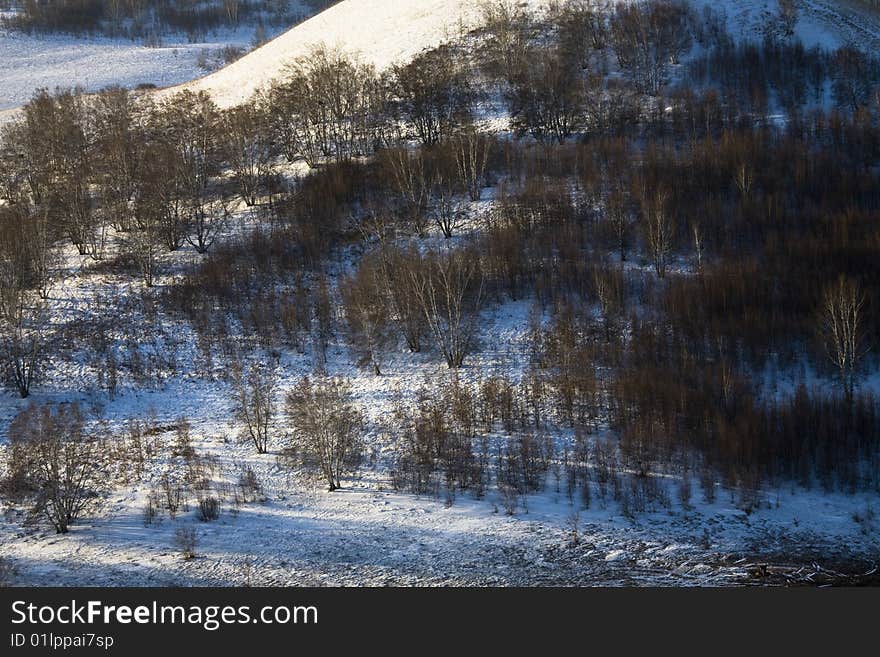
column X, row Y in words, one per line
column 447, row 215
column 608, row 284
column 366, row 314
column 659, row 230
column 327, row 426
column 744, row 180
column 620, row 217
column 296, row 314
column 206, row 221
column 186, row 540
column 394, row 267
column 842, row 329
column 27, row 258
column 410, row 179
column 57, row 145
column 255, row 390
column 184, row 157
column 144, row 243
column 162, row 200
column 852, row 77
column 74, row 208
column 699, row 243
column 119, row 138
column 472, row 151
column 231, row 7
column 247, row 147
column 22, row 323
column 60, row 461
column 449, row 289
column 788, row 17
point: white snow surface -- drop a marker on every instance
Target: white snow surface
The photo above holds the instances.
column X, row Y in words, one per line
column 35, row 61
column 829, row 24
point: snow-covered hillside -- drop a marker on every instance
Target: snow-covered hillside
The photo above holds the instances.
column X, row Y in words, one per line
column 382, row 32
column 287, row 530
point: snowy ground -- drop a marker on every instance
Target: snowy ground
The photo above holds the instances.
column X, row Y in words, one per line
column 368, row 536
column 826, row 23
column 31, row 62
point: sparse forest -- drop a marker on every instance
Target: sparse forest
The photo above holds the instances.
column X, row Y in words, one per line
column 691, row 220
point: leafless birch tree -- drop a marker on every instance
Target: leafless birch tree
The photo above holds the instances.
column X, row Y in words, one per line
column 659, row 230
column 842, row 329
column 449, row 289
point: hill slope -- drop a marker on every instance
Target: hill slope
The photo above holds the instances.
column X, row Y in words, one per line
column 387, row 31
column 384, row 32
column 381, row 31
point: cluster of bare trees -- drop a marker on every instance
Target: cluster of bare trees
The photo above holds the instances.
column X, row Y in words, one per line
column 189, row 481
column 78, row 167
column 439, row 294
column 548, row 98
column 328, row 105
column 331, row 106
column 430, row 185
column 248, row 149
column 450, row 441
column 649, row 38
column 433, row 94
column 557, row 87
column 440, row 443
column 509, row 32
